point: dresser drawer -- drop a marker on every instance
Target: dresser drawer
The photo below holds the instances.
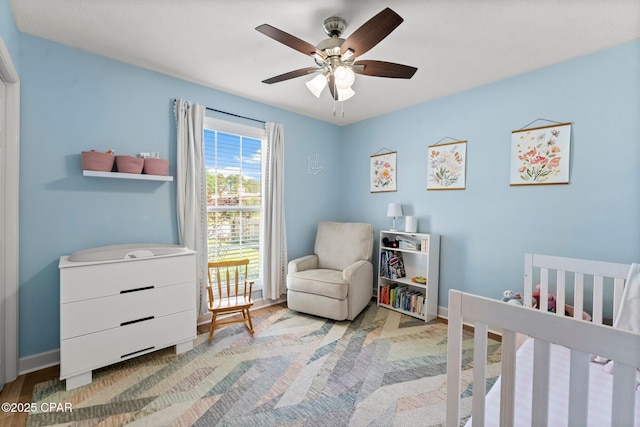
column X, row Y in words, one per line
column 88, row 352
column 94, row 315
column 113, row 278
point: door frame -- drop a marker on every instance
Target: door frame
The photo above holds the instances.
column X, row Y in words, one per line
column 9, row 252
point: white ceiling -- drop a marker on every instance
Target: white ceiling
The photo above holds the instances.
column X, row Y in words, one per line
column 455, row 44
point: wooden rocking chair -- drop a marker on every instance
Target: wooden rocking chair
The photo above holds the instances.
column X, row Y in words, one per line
column 233, row 296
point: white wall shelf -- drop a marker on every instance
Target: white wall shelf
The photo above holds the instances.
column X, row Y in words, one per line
column 127, row 175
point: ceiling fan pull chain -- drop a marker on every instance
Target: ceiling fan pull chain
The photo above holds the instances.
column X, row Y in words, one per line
column 334, row 98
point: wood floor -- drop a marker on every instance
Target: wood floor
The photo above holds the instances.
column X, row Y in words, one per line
column 21, row 390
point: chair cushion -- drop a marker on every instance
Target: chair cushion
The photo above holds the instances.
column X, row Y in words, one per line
column 340, row 244
column 328, row 283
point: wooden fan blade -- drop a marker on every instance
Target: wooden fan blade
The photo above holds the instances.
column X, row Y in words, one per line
column 288, row 40
column 371, row 32
column 292, row 75
column 384, row 69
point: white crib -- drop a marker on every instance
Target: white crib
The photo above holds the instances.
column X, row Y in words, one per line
column 556, row 337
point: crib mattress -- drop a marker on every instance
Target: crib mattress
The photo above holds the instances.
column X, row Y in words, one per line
column 600, row 388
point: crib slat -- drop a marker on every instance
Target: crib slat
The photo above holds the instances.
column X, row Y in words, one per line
column 479, row 372
column 508, row 381
column 544, row 289
column 541, row 369
column 454, row 358
column 528, row 279
column 578, row 295
column 624, row 384
column 598, row 286
column 578, row 388
column 560, row 293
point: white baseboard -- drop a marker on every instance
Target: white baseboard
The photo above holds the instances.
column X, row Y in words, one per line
column 444, row 313
column 38, row 361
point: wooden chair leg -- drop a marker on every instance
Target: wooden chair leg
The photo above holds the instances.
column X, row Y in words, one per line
column 249, row 320
column 213, row 325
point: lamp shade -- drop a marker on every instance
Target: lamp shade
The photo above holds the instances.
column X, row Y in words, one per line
column 394, row 209
column 344, row 77
column 344, row 94
column 317, row 84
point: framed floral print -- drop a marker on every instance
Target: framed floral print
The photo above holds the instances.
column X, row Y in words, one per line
column 447, row 166
column 540, row 155
column 382, row 173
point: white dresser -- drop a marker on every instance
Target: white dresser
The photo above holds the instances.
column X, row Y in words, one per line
column 120, row 302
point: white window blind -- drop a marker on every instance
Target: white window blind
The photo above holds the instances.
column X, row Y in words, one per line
column 233, row 157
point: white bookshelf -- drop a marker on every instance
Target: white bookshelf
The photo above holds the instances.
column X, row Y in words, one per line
column 120, row 175
column 417, row 299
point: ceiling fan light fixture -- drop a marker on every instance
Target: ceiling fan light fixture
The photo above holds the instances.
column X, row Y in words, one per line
column 318, row 58
column 317, row 84
column 344, row 94
column 344, row 77
column 335, row 57
column 348, row 54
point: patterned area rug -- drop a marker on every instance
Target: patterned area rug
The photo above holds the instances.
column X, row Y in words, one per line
column 382, row 369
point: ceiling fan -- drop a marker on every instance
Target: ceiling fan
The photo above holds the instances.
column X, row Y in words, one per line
column 335, row 57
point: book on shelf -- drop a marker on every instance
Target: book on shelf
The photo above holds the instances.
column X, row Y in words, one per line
column 391, row 264
column 424, row 245
column 402, row 298
column 382, row 294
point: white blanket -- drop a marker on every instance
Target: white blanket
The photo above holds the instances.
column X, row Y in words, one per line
column 629, row 314
column 628, row 317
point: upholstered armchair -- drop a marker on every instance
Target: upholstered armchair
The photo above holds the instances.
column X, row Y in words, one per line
column 335, row 282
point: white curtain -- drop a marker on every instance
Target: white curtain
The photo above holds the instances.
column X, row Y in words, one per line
column 275, row 237
column 191, row 189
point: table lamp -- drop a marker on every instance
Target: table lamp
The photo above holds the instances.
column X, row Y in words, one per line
column 394, row 210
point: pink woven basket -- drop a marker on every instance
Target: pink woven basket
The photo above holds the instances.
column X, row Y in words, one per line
column 97, row 161
column 154, row 166
column 129, row 164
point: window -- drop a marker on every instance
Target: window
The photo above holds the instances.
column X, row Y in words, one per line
column 233, row 159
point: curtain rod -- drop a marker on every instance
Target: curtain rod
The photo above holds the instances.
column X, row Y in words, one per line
column 231, row 114
column 236, row 115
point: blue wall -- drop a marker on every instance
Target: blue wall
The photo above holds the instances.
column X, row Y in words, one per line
column 74, row 101
column 488, row 227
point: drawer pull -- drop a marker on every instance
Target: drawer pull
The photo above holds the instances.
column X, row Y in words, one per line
column 136, row 352
column 136, row 321
column 146, row 288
